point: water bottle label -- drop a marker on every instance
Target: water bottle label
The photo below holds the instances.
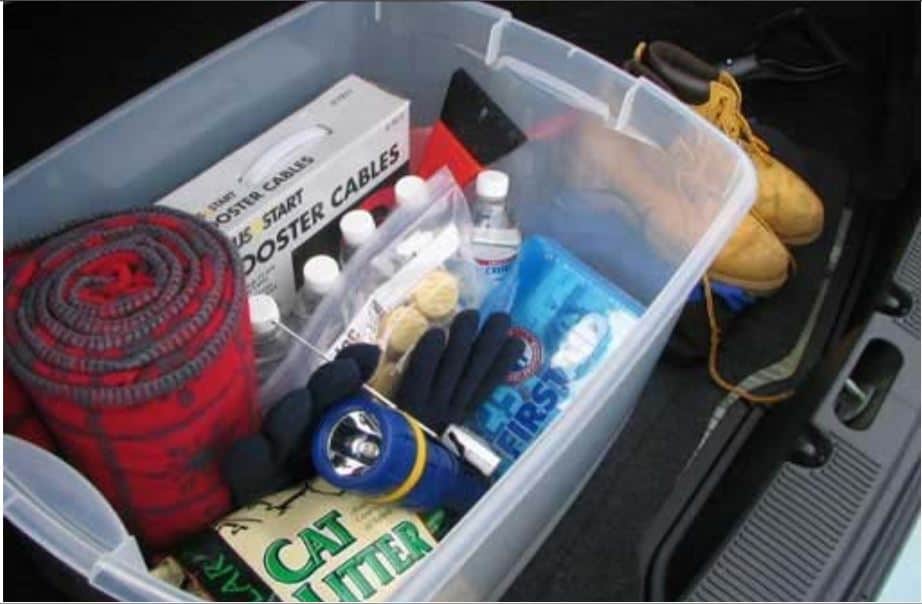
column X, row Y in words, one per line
column 496, row 269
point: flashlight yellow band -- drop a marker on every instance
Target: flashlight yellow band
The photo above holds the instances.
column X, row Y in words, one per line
column 416, row 472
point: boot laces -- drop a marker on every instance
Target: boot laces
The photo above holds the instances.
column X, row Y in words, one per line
column 739, row 391
column 730, row 119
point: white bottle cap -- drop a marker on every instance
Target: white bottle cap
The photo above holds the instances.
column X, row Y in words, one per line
column 320, row 273
column 411, row 191
column 357, row 227
column 492, row 185
column 264, row 313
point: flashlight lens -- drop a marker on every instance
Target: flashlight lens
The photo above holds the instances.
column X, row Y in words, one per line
column 355, row 443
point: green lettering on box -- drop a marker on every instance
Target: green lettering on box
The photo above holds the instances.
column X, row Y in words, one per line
column 280, row 571
column 335, row 581
column 315, row 543
column 385, row 545
column 318, row 543
column 350, row 569
column 369, row 556
column 410, row 537
column 331, row 521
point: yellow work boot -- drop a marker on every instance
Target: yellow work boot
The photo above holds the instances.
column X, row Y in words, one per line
column 753, row 258
column 654, row 200
column 785, row 202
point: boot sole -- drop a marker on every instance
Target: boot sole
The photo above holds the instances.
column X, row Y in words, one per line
column 760, row 288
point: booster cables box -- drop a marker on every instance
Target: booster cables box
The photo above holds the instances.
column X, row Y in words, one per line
column 279, row 196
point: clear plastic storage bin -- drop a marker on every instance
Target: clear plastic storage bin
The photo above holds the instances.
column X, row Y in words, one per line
column 625, row 176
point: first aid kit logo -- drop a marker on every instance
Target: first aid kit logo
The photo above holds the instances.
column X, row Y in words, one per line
column 530, row 361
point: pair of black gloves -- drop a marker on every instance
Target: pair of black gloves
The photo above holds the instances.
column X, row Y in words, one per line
column 446, row 376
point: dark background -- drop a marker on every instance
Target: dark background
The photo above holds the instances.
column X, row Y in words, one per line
column 66, row 65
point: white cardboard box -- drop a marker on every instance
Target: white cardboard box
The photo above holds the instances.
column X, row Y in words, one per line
column 279, row 196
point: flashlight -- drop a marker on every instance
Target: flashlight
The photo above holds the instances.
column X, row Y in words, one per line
column 366, row 447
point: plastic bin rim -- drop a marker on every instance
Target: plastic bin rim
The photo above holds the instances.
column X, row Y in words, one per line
column 530, row 467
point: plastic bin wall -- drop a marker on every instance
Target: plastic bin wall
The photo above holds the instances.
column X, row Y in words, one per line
column 629, row 179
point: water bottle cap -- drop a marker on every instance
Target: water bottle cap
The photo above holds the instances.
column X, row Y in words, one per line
column 264, row 313
column 492, row 185
column 357, row 227
column 320, row 273
column 411, row 191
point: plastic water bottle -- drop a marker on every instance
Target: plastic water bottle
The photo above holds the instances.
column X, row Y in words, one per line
column 496, row 238
column 357, row 227
column 270, row 342
column 321, row 272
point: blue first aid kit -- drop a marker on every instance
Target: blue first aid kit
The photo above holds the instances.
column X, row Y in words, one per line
column 570, row 319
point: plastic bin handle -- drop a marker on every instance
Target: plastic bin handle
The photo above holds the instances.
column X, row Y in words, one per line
column 261, row 168
column 551, row 84
column 61, row 510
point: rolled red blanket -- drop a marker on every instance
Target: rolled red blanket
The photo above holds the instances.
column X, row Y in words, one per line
column 130, row 334
column 19, row 416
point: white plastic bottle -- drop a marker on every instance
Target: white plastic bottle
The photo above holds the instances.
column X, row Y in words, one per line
column 496, row 238
column 411, row 191
column 321, row 272
column 270, row 342
column 357, row 227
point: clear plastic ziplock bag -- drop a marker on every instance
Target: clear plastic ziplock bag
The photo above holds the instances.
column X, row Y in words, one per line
column 416, row 272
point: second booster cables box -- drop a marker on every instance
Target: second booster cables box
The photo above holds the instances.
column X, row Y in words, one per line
column 279, row 196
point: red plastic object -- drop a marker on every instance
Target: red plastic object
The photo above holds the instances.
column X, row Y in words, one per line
column 444, row 149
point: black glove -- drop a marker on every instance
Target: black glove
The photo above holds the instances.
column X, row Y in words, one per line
column 278, row 456
column 443, row 381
